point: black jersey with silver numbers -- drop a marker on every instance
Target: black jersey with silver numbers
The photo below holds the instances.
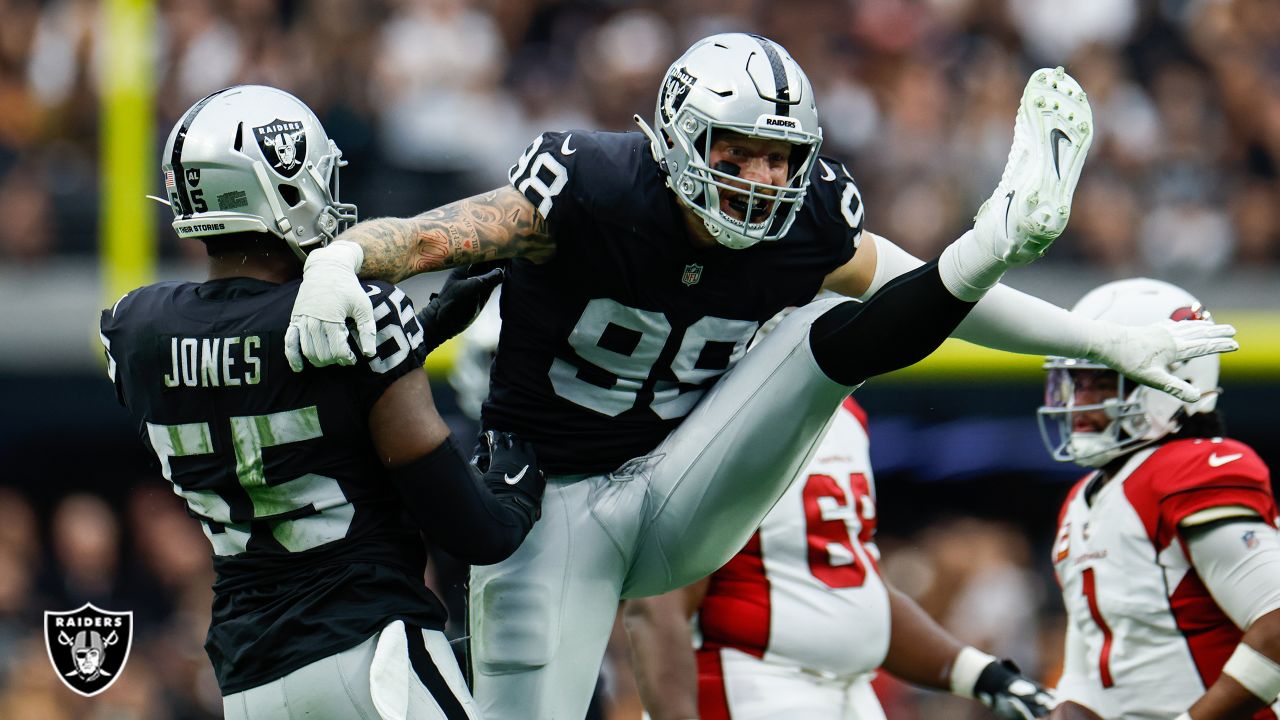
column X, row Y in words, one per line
column 312, row 552
column 607, row 346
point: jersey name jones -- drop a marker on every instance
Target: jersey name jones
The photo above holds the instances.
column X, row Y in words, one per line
column 214, row 362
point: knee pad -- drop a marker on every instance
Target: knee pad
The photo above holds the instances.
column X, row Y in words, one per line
column 515, row 623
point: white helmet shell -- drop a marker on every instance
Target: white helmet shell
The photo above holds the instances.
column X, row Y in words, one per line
column 1140, row 415
column 252, row 158
column 745, row 84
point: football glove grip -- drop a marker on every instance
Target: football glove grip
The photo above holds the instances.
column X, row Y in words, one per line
column 456, row 306
column 1010, row 694
column 330, row 294
column 1145, row 352
column 510, row 469
column 999, row 685
column 461, row 510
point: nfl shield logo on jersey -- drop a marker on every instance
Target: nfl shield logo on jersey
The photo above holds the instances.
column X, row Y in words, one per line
column 88, row 647
column 284, row 144
column 692, row 274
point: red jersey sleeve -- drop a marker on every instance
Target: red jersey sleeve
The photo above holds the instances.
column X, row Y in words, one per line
column 1187, row 476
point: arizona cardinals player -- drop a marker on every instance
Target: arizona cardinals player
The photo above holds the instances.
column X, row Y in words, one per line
column 797, row 623
column 1167, row 551
column 642, row 265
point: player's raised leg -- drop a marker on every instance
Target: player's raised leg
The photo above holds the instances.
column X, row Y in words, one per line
column 714, row 478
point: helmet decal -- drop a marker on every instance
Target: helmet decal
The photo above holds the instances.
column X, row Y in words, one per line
column 674, row 92
column 284, row 144
column 1190, row 312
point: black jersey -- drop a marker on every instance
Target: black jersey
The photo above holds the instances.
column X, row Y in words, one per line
column 312, row 552
column 607, row 346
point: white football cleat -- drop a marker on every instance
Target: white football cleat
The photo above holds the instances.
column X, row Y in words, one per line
column 1051, row 137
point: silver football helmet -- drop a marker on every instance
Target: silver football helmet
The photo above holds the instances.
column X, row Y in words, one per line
column 745, row 84
column 252, row 158
column 1138, row 415
column 477, row 346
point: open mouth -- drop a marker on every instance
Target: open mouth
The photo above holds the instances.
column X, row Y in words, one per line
column 737, row 208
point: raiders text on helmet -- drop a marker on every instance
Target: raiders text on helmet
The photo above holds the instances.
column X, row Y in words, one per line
column 1139, row 415
column 252, row 158
column 745, row 84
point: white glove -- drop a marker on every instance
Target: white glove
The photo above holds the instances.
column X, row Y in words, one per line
column 330, row 293
column 1145, row 352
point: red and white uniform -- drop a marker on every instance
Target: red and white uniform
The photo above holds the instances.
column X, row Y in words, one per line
column 1144, row 636
column 794, row 624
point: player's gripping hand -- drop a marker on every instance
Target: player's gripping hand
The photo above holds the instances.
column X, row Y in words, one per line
column 1145, row 352
column 330, row 293
column 510, row 469
column 463, row 296
column 1012, row 695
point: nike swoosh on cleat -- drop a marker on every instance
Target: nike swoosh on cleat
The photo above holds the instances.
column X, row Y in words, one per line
column 513, row 480
column 564, row 147
column 1218, row 461
column 1007, row 206
column 1055, row 138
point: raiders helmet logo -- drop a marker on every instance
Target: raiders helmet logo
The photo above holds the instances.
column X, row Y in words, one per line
column 674, row 92
column 284, row 144
column 88, row 647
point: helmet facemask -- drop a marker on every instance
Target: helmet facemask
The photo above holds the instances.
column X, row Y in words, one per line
column 1073, row 431
column 743, row 84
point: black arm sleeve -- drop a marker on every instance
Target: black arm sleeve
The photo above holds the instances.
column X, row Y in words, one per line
column 451, row 503
column 898, row 326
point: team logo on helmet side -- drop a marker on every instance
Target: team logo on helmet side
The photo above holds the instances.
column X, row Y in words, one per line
column 674, row 92
column 88, row 647
column 1191, row 312
column 284, row 144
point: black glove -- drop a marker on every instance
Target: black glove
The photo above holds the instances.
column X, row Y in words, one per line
column 463, row 296
column 510, row 469
column 1012, row 695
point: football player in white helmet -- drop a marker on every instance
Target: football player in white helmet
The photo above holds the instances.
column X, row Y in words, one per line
column 641, row 265
column 313, row 488
column 1167, row 551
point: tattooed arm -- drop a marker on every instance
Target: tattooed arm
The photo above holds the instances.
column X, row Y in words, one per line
column 495, row 225
column 498, row 224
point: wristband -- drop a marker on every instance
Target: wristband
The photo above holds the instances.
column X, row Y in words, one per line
column 965, row 669
column 1256, row 672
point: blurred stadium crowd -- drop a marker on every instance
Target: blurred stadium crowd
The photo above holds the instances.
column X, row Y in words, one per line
column 432, row 100
column 140, row 552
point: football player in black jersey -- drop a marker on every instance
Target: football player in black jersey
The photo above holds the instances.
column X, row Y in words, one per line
column 641, row 265
column 312, row 487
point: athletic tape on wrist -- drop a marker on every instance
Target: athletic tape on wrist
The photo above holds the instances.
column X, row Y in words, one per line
column 1258, row 673
column 965, row 669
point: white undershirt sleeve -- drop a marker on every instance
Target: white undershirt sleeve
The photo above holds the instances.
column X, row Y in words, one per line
column 1004, row 319
column 1239, row 563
